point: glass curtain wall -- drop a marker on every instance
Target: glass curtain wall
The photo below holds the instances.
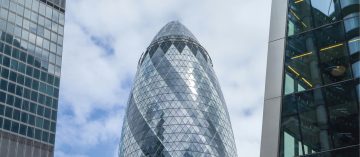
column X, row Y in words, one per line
column 320, row 104
column 31, row 40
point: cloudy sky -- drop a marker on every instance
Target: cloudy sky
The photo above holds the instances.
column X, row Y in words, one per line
column 104, row 40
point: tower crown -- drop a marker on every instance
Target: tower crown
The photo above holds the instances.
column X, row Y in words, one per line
column 174, row 29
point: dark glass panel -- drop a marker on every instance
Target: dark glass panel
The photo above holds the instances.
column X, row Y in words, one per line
column 16, row 114
column 7, row 124
column 50, row 79
column 29, row 71
column 35, row 84
column 20, row 79
column 48, row 101
column 2, row 96
column 8, row 50
column 24, row 117
column 304, row 15
column 45, row 136
column 31, row 119
column 53, row 127
column 22, row 129
column 53, row 115
column 28, row 82
column 40, row 110
column 36, row 73
column 320, row 120
column 47, row 113
column 38, row 134
column 325, row 11
column 39, row 122
column 8, row 112
column 316, row 58
column 18, row 102
column 3, row 85
column 30, row 132
column 46, row 125
column 11, row 87
column 26, row 93
column 165, row 46
column 33, row 107
column 299, row 16
column 2, row 109
column 301, row 63
column 153, row 49
column 25, row 105
column 15, row 127
column 344, row 152
column 34, row 96
column 334, row 60
column 52, row 138
column 54, row 103
column 19, row 90
column 57, row 82
column 6, row 61
column 5, row 73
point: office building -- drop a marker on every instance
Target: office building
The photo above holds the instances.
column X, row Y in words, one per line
column 31, row 37
column 176, row 107
column 312, row 89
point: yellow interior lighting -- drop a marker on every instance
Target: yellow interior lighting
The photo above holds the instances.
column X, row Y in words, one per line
column 293, row 70
column 302, row 55
column 298, row 18
column 358, row 39
column 330, row 47
column 307, row 82
column 298, row 1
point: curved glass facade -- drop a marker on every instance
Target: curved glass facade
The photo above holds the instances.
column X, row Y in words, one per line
column 320, row 101
column 176, row 107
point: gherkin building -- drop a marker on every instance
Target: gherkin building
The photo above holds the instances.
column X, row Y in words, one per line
column 176, row 107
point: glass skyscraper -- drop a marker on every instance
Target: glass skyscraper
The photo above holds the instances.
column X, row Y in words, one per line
column 312, row 89
column 31, row 37
column 176, row 107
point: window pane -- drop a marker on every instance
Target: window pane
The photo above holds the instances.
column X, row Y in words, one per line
column 325, row 11
column 304, row 15
column 320, row 120
column 299, row 16
column 345, row 152
column 316, row 58
column 301, row 63
column 334, row 60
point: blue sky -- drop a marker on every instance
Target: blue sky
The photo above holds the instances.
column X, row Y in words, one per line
column 104, row 40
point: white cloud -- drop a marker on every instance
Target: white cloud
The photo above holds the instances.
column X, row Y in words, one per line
column 95, row 84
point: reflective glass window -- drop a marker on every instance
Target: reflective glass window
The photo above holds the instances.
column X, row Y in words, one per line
column 334, row 60
column 301, row 63
column 316, row 58
column 305, row 15
column 344, row 152
column 22, row 129
column 319, row 120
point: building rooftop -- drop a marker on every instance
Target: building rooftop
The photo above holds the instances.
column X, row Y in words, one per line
column 174, row 29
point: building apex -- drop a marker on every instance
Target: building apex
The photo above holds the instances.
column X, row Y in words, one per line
column 174, row 29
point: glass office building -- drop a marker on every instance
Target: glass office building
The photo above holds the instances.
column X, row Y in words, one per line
column 313, row 80
column 31, row 37
column 176, row 107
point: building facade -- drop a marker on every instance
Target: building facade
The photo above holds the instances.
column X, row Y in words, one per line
column 176, row 107
column 311, row 105
column 31, row 37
